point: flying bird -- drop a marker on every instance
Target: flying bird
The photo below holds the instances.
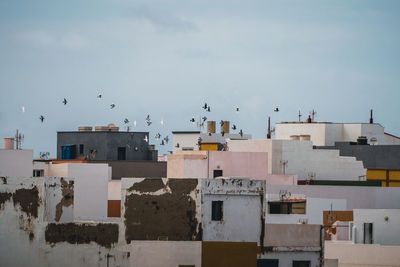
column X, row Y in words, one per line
column 209, row 109
column 166, row 139
column 276, row 109
column 158, row 136
column 162, row 142
column 222, row 123
column 65, row 101
column 146, row 139
column 148, row 120
column 205, row 106
column 126, row 121
column 162, row 122
column 192, row 119
column 23, row 109
column 223, row 133
column 241, row 133
column 237, row 109
column 204, row 118
column 148, row 117
column 99, row 95
column 134, row 123
column 41, row 118
column 234, row 127
column 112, row 106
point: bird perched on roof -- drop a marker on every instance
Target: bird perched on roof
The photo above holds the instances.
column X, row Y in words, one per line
column 205, row 106
column 41, row 118
column 276, row 109
column 65, row 101
column 234, row 127
column 162, row 142
column 192, row 119
column 177, row 145
column 126, row 121
column 99, row 95
column 241, row 133
column 158, row 135
column 166, row 139
column 204, row 118
column 112, row 106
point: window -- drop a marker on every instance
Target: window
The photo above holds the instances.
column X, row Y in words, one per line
column 81, row 149
column 301, row 263
column 282, row 207
column 121, row 153
column 368, row 230
column 267, row 263
column 217, row 210
column 218, row 173
column 38, row 173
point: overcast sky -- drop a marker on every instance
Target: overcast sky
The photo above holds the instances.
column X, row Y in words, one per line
column 166, row 58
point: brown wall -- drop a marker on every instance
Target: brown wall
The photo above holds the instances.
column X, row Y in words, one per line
column 336, row 215
column 137, row 169
column 229, row 254
column 114, row 208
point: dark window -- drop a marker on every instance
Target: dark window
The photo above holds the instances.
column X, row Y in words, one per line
column 287, row 207
column 217, row 208
column 186, row 266
column 38, row 173
column 81, row 149
column 267, row 263
column 218, row 173
column 368, row 236
column 121, row 153
column 301, row 263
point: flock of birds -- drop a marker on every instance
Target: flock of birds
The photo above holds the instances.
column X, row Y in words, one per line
column 148, row 121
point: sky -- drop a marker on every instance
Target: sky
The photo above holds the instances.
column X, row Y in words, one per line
column 167, row 58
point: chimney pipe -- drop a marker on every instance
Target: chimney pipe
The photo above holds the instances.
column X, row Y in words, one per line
column 371, row 119
column 269, row 128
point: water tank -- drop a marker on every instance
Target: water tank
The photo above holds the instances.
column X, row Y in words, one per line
column 112, row 127
column 8, row 143
column 100, row 128
column 305, row 137
column 294, row 137
column 225, row 127
column 85, row 128
column 210, row 126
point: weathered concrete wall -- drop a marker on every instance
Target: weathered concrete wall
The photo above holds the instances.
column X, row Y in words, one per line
column 292, row 235
column 59, row 199
column 165, row 253
column 175, row 205
column 243, row 210
column 354, row 255
column 385, row 231
column 24, row 231
column 286, row 258
column 16, row 163
column 282, row 179
column 229, row 254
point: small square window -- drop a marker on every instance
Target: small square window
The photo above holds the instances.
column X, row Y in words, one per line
column 81, row 149
column 217, row 210
column 301, row 263
column 218, row 173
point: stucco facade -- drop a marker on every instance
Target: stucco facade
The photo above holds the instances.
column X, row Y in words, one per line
column 16, row 162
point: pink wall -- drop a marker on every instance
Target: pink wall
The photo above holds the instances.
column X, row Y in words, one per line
column 282, row 179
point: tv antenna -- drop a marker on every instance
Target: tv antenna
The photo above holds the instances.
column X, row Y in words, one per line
column 313, row 113
column 300, row 116
column 44, row 155
column 19, row 138
column 284, row 164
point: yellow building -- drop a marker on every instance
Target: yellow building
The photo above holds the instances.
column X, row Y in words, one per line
column 389, row 178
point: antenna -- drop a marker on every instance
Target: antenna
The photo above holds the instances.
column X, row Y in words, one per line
column 371, row 119
column 44, row 155
column 269, row 128
column 313, row 113
column 19, row 138
column 300, row 116
column 284, row 164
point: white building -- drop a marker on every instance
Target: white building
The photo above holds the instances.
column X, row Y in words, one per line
column 327, row 133
column 17, row 163
column 298, row 157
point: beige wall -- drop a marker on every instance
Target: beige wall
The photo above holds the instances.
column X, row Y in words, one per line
column 16, row 163
column 352, row 255
column 292, row 235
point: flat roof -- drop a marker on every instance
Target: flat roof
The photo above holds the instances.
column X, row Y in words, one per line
column 102, row 132
column 185, row 132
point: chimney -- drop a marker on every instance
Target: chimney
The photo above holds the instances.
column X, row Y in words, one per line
column 8, row 143
column 371, row 119
column 269, row 128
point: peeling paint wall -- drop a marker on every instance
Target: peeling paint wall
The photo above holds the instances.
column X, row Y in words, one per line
column 59, row 199
column 161, row 209
column 243, row 210
column 27, row 239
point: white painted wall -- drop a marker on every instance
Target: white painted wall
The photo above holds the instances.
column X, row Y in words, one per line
column 53, row 191
column 242, row 209
column 384, row 232
column 16, row 163
column 114, row 190
column 283, row 131
column 91, row 188
column 302, row 159
column 185, row 140
column 165, row 253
